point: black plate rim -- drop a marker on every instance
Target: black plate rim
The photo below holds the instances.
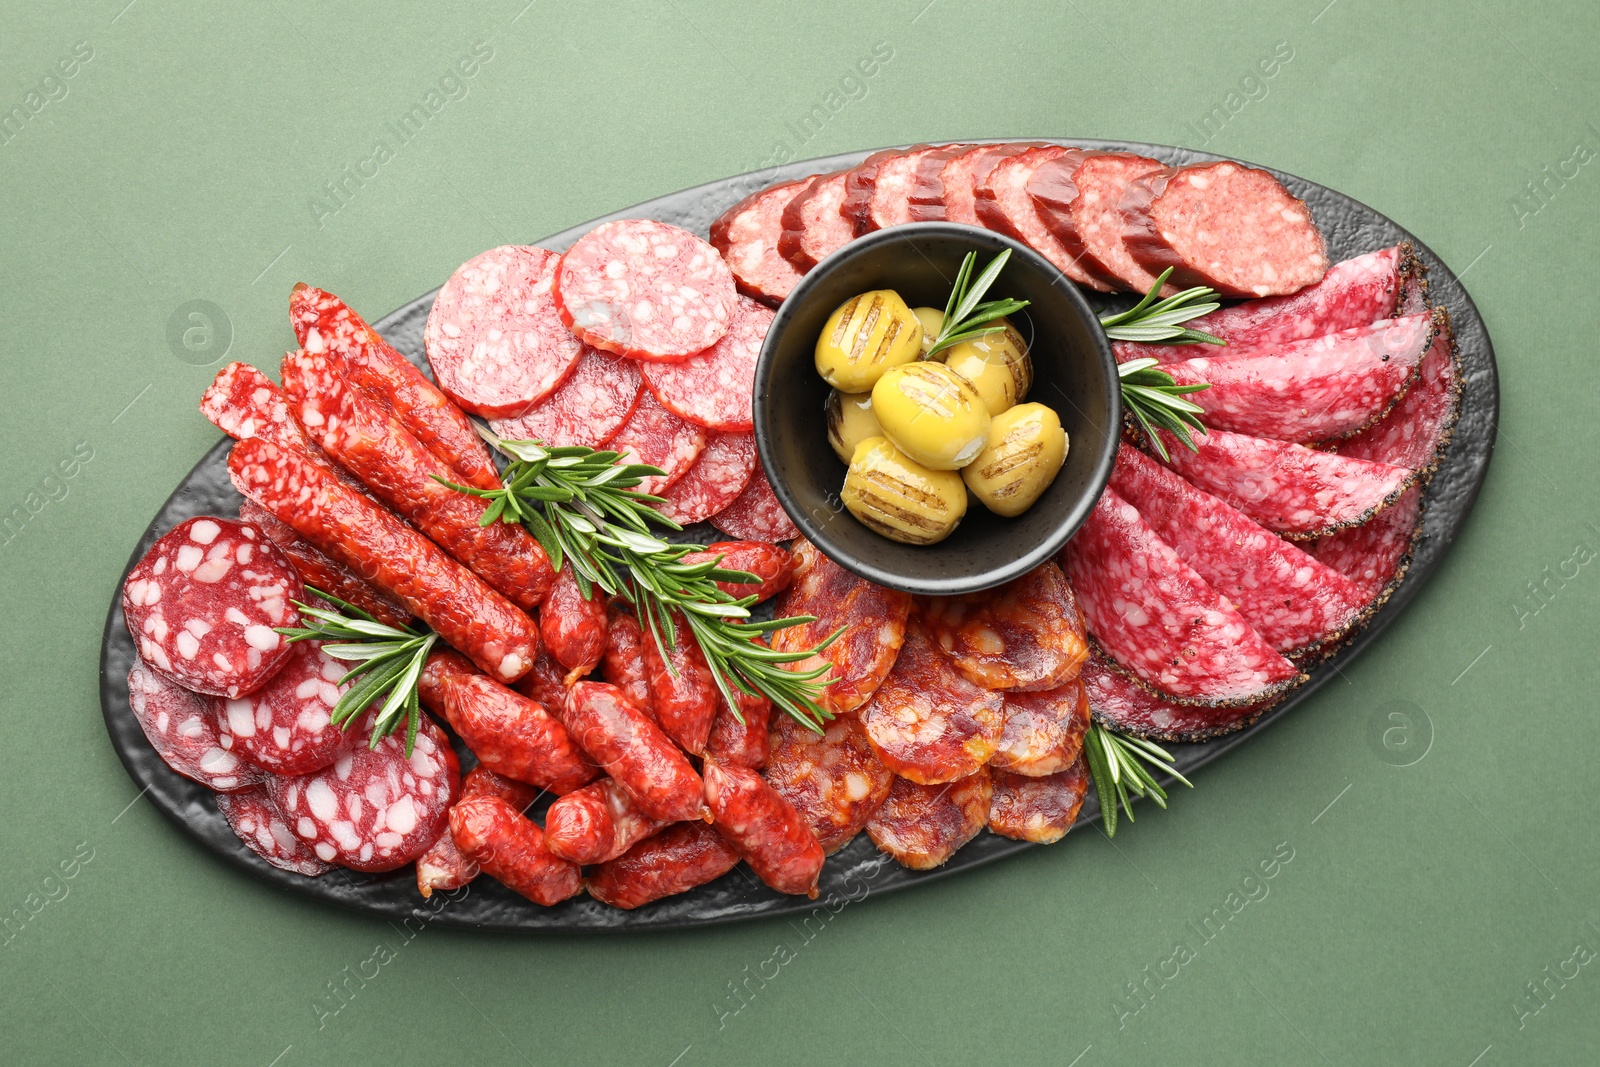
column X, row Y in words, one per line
column 190, row 806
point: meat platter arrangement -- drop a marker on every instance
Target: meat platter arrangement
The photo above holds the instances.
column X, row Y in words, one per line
column 491, row 601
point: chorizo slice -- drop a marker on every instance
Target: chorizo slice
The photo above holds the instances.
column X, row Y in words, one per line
column 765, row 829
column 634, row 752
column 922, row 826
column 674, row 861
column 873, row 617
column 1026, row 634
column 1040, row 810
column 596, row 823
column 927, row 722
column 834, row 779
column 511, row 849
column 1043, row 731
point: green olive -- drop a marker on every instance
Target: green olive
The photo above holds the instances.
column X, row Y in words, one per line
column 932, row 320
column 901, row 499
column 998, row 365
column 864, row 337
column 932, row 414
column 1022, row 456
column 850, row 421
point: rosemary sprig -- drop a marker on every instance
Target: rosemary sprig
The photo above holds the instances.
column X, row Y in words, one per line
column 964, row 317
column 1121, row 768
column 585, row 510
column 1161, row 322
column 389, row 662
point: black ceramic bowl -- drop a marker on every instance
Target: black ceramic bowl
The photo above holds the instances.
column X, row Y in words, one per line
column 1074, row 373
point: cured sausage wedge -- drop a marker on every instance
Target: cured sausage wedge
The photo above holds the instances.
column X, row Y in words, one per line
column 182, row 726
column 763, row 828
column 1234, row 228
column 1160, row 619
column 510, row 734
column 674, row 861
column 1026, row 634
column 596, row 823
column 391, row 555
column 922, row 826
column 1415, row 431
column 444, row 866
column 1003, row 204
column 834, row 779
column 747, row 235
column 634, row 752
column 1375, row 555
column 1290, row 598
column 655, row 436
column 1119, row 701
column 1040, row 810
column 326, row 325
column 511, row 849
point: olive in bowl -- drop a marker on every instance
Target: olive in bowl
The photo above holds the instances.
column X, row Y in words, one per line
column 1071, row 370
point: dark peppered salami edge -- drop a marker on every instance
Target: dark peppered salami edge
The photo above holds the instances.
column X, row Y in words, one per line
column 1183, row 736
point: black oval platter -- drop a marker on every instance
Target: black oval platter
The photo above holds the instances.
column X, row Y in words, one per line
column 1351, row 228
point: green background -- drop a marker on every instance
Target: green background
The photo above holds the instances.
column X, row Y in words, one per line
column 181, row 164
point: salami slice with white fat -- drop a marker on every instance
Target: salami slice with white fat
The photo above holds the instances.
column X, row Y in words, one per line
column 256, row 821
column 374, row 809
column 833, row 779
column 1161, row 620
column 204, row 603
column 1043, row 731
column 1414, row 432
column 645, row 289
column 1040, row 810
column 718, row 476
column 183, row 729
column 879, row 190
column 588, row 409
column 1026, row 634
column 747, row 236
column 286, row 726
column 963, row 174
column 814, row 224
column 756, row 514
column 1294, row 490
column 1375, row 555
column 1087, row 208
column 925, row 199
column 715, row 389
column 1290, row 598
column 1003, row 205
column 1234, row 228
column 1318, row 390
column 1384, row 284
column 1118, row 701
column 922, row 826
column 494, row 339
column 655, row 436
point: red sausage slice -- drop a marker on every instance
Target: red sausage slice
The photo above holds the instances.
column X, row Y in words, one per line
column 963, row 174
column 588, row 409
column 286, row 726
column 511, row 849
column 645, row 289
column 182, row 727
column 495, row 342
column 256, row 821
column 1026, row 634
column 714, row 389
column 718, row 476
column 747, row 236
column 764, row 828
column 204, row 603
column 674, row 861
column 834, row 779
column 814, row 225
column 655, row 436
column 1096, row 189
column 1375, row 555
column 1117, row 699
column 1043, row 731
column 888, row 202
column 756, row 514
column 1040, row 810
column 922, row 826
column 1414, row 432
column 1003, row 205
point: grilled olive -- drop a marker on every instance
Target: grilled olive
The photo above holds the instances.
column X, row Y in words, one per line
column 1024, row 452
column 932, row 320
column 866, row 336
column 998, row 365
column 932, row 414
column 850, row 421
column 901, row 499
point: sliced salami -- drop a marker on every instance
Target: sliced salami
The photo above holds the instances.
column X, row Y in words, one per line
column 1003, row 205
column 1043, row 731
column 1026, row 634
column 926, row 200
column 645, row 289
column 374, row 809
column 1040, row 810
column 1119, row 701
column 655, row 436
column 286, row 726
column 1290, row 598
column 756, row 514
column 889, row 203
column 859, row 182
column 322, row 571
column 1052, row 188
column 1294, row 490
column 1318, row 390
column 256, row 821
column 588, row 409
column 1375, row 555
column 922, row 826
column 674, row 861
column 495, row 341
column 1417, row 428
column 927, row 722
column 183, row 729
column 718, row 476
column 814, row 225
column 874, row 620
column 1356, row 292
column 1234, row 228
column 834, row 779
column 715, row 388
column 1096, row 189
column 1160, row 619
column 747, row 236
column 204, row 603
column 962, row 175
